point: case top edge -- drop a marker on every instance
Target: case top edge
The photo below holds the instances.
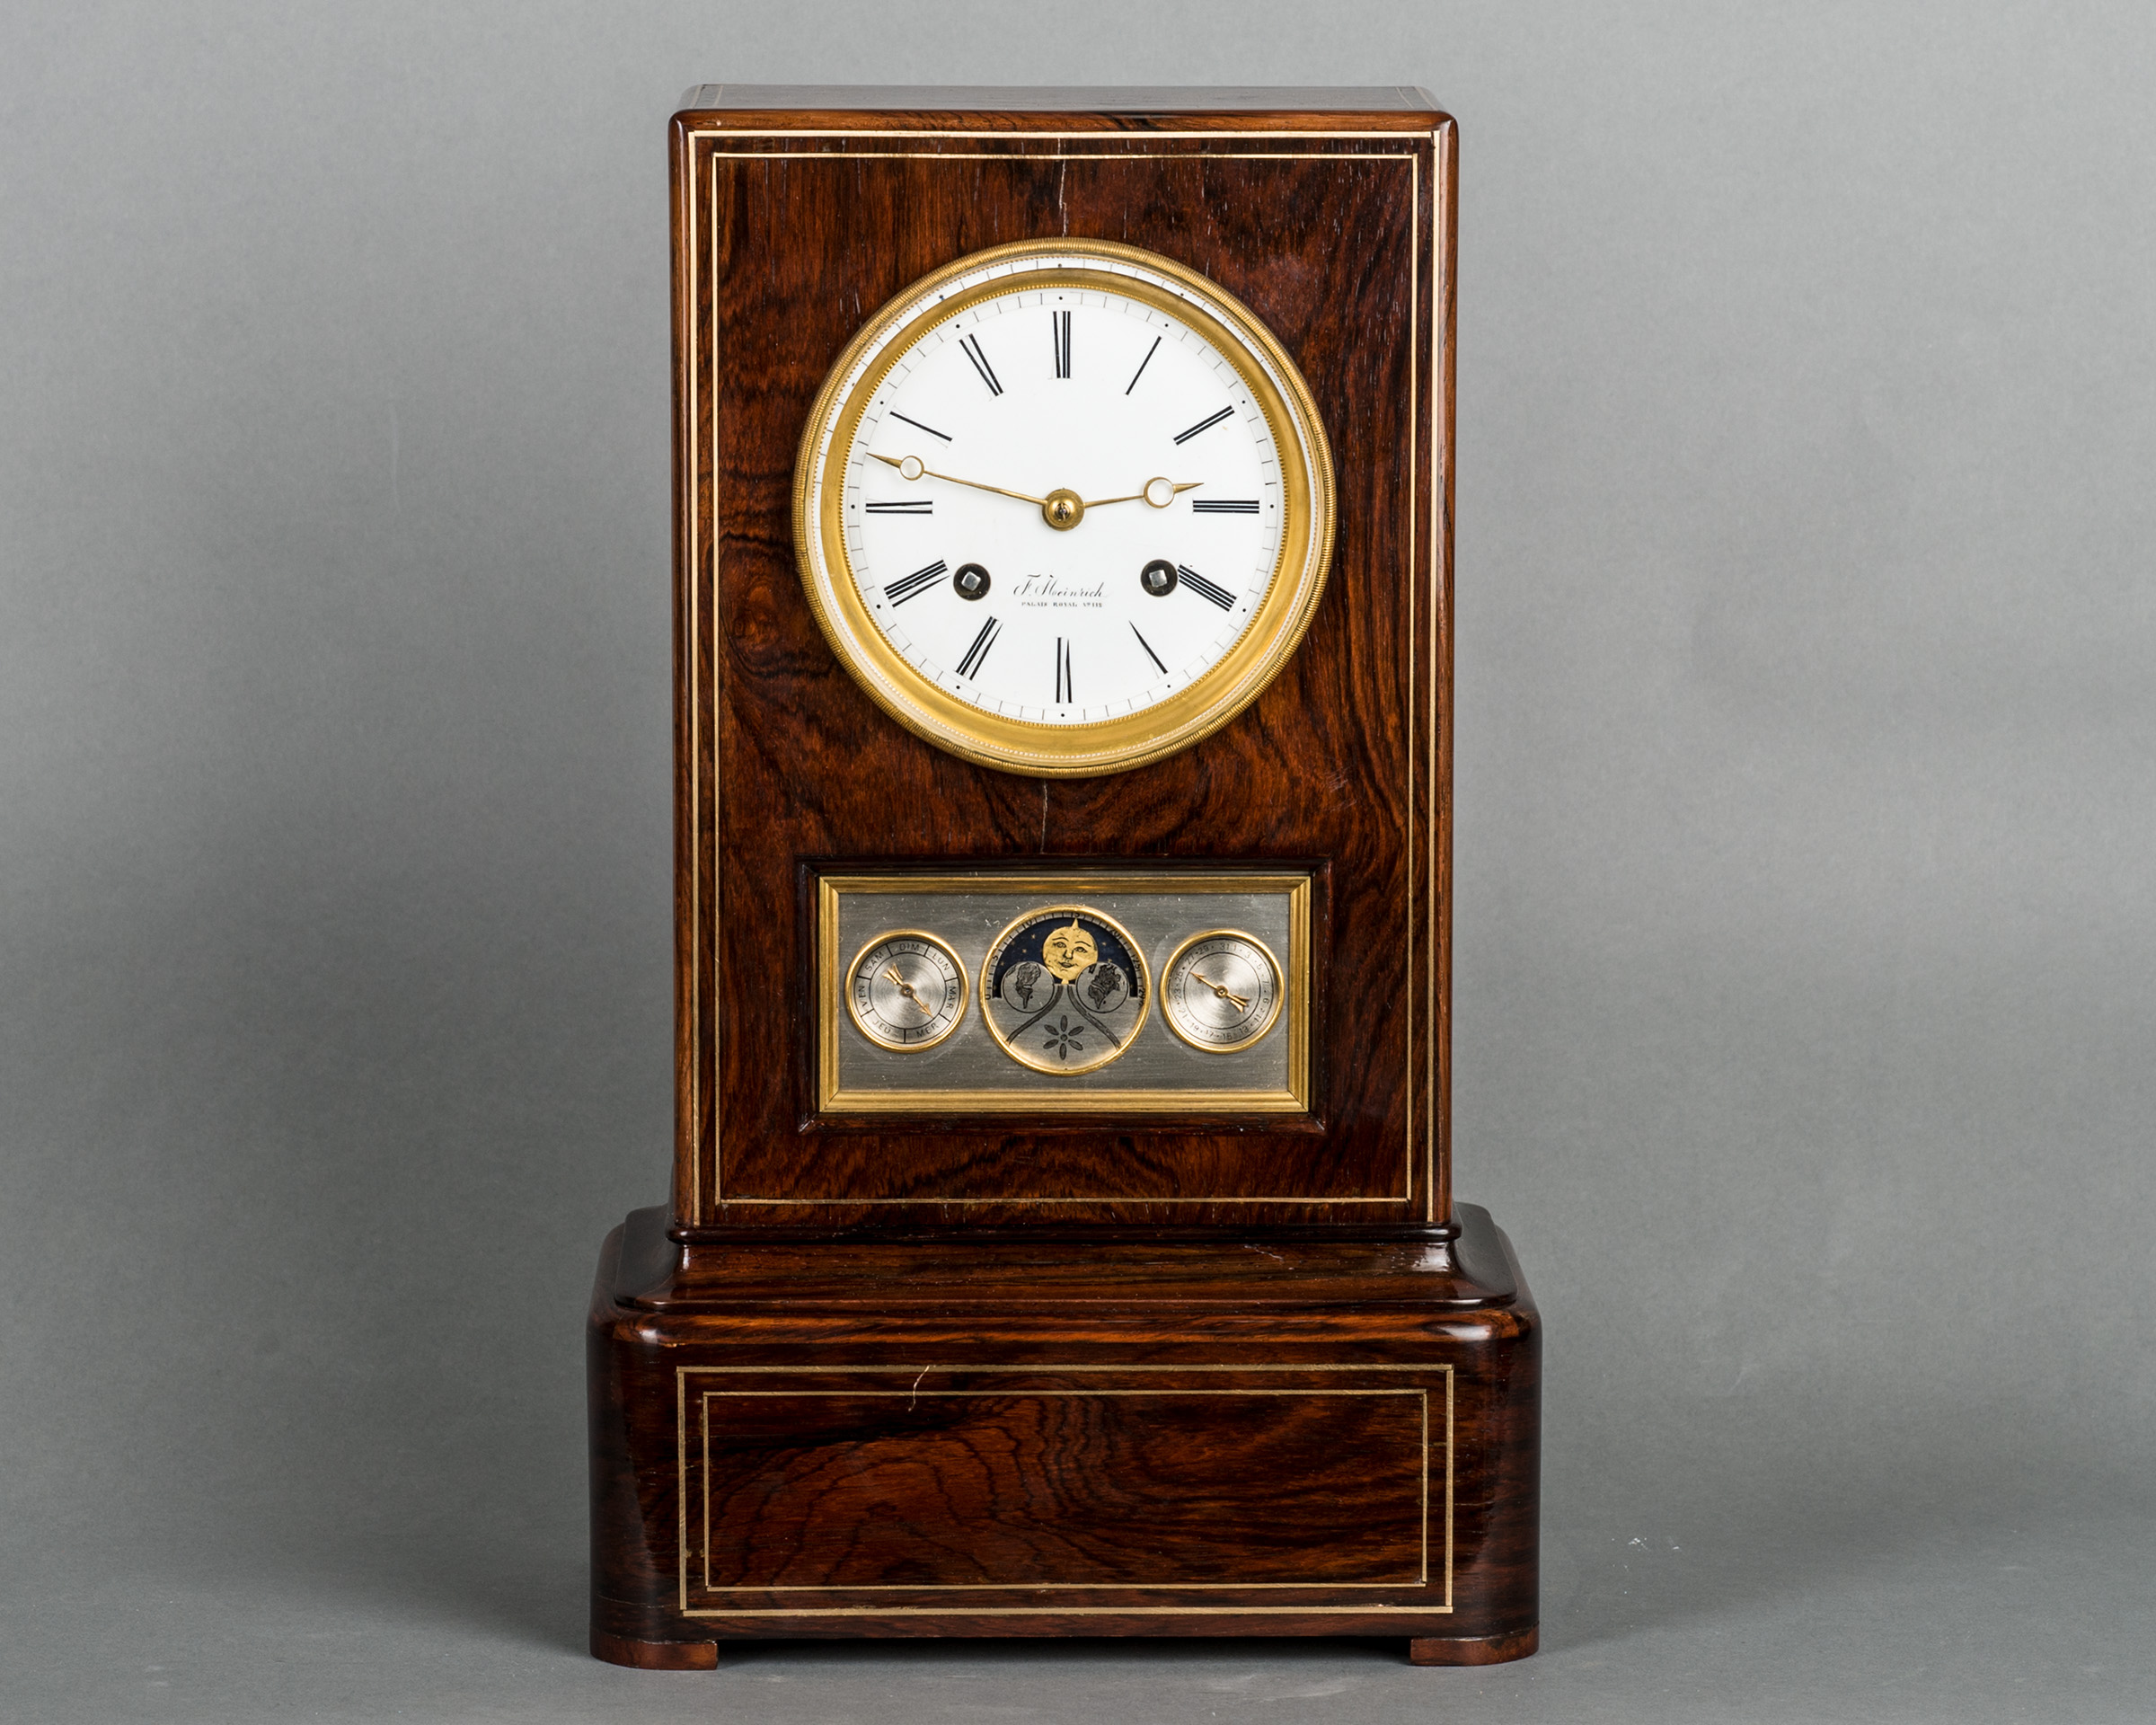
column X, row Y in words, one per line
column 1119, row 100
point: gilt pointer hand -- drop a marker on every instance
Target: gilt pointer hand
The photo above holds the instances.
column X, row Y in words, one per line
column 1061, row 509
column 1239, row 1002
column 912, row 467
column 1159, row 492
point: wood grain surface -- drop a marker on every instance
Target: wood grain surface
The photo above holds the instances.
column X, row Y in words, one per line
column 791, row 227
column 1089, row 1484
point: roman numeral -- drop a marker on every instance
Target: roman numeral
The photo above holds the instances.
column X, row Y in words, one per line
column 908, row 586
column 1205, row 589
column 1205, row 425
column 1064, row 696
column 918, row 426
column 1147, row 645
column 970, row 665
column 1060, row 329
column 923, row 506
column 1216, row 505
column 1140, row 372
column 973, row 351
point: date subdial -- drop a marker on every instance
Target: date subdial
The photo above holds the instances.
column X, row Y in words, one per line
column 1220, row 991
column 906, row 991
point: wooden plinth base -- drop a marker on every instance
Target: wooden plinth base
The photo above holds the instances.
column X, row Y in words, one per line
column 1012, row 1436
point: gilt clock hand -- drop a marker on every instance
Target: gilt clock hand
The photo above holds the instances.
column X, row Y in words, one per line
column 1159, row 492
column 912, row 467
column 1241, row 1002
column 1062, row 509
column 905, row 987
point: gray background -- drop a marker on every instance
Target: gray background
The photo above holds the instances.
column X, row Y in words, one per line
column 1806, row 909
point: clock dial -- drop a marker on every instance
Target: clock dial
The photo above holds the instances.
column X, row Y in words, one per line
column 1064, row 507
column 1220, row 991
column 906, row 991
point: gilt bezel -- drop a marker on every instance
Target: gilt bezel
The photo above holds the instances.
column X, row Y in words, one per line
column 1277, row 623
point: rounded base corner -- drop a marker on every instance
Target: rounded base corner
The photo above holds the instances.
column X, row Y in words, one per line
column 654, row 1656
column 1474, row 1649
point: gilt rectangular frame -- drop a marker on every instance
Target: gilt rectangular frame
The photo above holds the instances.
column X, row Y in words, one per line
column 1294, row 1099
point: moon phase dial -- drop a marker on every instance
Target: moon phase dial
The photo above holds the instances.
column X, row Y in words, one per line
column 906, row 991
column 1220, row 991
column 1065, row 989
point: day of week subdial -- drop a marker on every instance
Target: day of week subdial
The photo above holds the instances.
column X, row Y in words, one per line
column 906, row 991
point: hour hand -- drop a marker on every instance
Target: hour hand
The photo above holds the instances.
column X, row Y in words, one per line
column 913, row 467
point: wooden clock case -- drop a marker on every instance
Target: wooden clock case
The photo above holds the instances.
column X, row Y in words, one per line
column 1054, row 1374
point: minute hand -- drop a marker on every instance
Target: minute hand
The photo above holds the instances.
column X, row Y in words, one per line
column 952, row 479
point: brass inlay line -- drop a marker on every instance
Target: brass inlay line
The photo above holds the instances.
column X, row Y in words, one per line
column 1061, row 155
column 1414, row 449
column 693, row 1093
column 1096, row 135
column 1059, row 1367
column 879, row 1203
column 1448, row 1487
column 681, row 1480
column 705, row 1411
column 1440, row 476
column 1374, row 1607
column 1051, row 1369
column 1422, row 1579
column 1440, row 556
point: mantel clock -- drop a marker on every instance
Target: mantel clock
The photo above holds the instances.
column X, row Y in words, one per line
column 1062, row 1238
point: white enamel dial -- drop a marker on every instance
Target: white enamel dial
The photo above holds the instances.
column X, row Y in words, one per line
column 1061, row 491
